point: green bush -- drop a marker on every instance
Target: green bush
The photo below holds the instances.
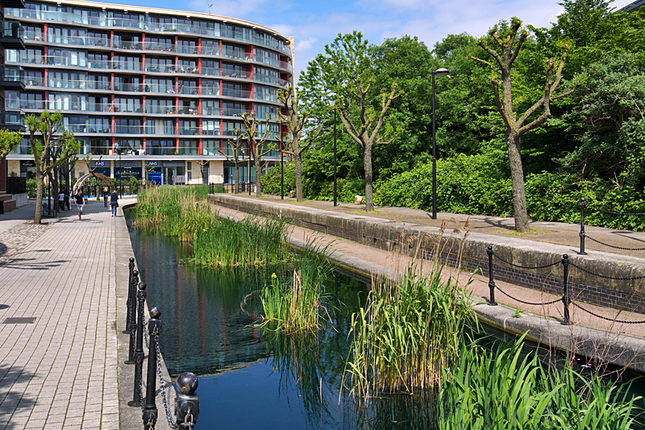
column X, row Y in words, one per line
column 31, row 188
column 468, row 184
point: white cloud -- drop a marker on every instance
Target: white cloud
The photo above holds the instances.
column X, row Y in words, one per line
column 305, row 45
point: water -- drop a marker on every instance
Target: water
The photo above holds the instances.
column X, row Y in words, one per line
column 251, row 379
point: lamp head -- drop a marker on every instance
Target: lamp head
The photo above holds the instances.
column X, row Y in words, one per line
column 440, row 72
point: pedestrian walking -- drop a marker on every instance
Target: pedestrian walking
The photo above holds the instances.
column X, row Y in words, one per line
column 114, row 202
column 80, row 202
column 61, row 201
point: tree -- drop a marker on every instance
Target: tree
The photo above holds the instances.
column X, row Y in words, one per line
column 236, row 145
column 296, row 124
column 8, row 141
column 343, row 77
column 612, row 116
column 510, row 43
column 257, row 134
column 51, row 146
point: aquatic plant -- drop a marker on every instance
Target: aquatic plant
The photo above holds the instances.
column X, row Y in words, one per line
column 503, row 389
column 251, row 241
column 294, row 303
column 406, row 334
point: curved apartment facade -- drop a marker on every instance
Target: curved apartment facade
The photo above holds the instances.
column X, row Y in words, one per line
column 149, row 93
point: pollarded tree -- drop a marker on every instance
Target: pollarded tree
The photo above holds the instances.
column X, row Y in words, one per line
column 510, row 43
column 51, row 146
column 344, row 78
column 236, row 146
column 296, row 123
column 257, row 133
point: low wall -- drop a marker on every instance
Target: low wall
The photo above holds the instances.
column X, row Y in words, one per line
column 588, row 282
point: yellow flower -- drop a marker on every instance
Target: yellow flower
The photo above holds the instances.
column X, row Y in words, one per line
column 274, row 276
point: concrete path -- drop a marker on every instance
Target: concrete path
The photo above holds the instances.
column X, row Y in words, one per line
column 59, row 341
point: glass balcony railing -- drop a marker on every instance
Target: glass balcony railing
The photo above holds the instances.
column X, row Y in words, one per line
column 234, row 112
column 156, row 46
column 82, row 84
column 188, row 50
column 13, row 29
column 126, row 65
column 134, row 88
column 188, row 90
column 100, row 150
column 24, row 104
column 213, row 111
column 210, row 91
column 243, row 94
column 160, row 130
column 160, row 110
column 12, row 74
column 128, row 129
column 235, row 73
column 159, row 88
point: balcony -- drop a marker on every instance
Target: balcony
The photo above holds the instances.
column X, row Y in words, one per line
column 11, row 122
column 12, row 78
column 13, row 35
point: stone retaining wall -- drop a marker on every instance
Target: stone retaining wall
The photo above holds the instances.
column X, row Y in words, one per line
column 411, row 239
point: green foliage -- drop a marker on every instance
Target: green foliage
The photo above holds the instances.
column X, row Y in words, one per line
column 475, row 184
column 31, row 188
column 8, row 141
column 183, row 212
column 295, row 303
column 271, row 181
column 224, row 242
column 500, row 389
column 406, row 334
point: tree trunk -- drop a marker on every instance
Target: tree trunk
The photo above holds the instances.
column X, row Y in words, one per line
column 40, row 187
column 258, row 177
column 299, row 193
column 237, row 177
column 367, row 166
column 517, row 181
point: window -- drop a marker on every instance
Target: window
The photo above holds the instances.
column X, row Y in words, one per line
column 210, row 127
column 210, row 107
column 210, row 87
column 127, row 125
column 98, row 124
column 210, row 147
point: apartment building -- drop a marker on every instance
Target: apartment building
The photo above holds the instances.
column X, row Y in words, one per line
column 149, row 93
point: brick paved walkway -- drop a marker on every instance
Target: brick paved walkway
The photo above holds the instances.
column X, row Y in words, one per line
column 60, row 371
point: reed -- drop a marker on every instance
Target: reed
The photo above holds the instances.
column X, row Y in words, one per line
column 251, row 241
column 294, row 304
column 406, row 334
column 500, row 388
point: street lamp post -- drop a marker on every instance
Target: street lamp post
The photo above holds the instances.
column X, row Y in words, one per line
column 438, row 72
column 334, row 157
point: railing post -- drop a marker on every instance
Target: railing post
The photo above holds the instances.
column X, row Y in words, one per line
column 150, row 409
column 129, row 301
column 138, row 354
column 566, row 299
column 132, row 327
column 491, row 281
column 187, row 403
column 582, row 227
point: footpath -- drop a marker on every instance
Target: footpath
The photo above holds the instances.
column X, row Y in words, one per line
column 63, row 288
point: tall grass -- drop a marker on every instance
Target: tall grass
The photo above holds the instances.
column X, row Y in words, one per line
column 406, row 334
column 225, row 242
column 217, row 241
column 499, row 389
column 173, row 211
column 295, row 303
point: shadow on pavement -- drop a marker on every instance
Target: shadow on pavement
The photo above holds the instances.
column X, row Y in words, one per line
column 14, row 402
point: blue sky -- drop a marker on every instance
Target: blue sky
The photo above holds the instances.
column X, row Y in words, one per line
column 316, row 23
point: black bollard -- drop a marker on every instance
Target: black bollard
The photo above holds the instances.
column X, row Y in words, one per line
column 138, row 354
column 187, row 403
column 491, row 281
column 565, row 296
column 132, row 326
column 582, row 227
column 150, row 409
column 129, row 300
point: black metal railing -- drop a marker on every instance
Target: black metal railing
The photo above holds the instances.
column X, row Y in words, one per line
column 566, row 298
column 584, row 235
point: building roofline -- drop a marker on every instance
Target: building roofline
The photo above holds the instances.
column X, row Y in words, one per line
column 175, row 13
